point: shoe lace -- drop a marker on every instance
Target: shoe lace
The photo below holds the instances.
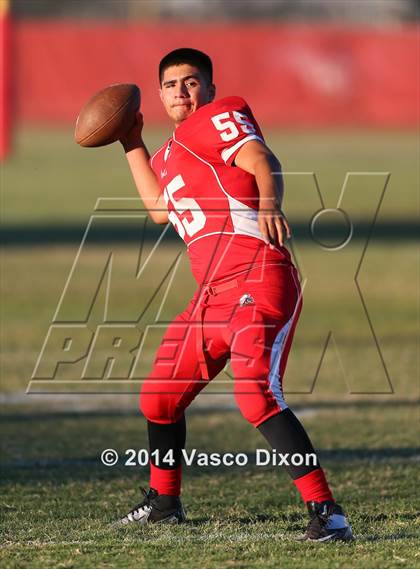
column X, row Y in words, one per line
column 147, row 500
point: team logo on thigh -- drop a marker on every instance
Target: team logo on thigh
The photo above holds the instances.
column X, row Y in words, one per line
column 246, row 299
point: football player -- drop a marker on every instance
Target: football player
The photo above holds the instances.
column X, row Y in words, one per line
column 220, row 186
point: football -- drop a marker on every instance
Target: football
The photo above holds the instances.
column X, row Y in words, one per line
column 108, row 115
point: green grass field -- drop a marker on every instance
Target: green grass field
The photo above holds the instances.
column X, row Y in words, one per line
column 58, row 500
column 52, row 180
column 57, row 497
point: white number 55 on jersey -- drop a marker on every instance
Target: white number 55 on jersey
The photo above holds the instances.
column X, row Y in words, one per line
column 228, row 124
column 181, row 206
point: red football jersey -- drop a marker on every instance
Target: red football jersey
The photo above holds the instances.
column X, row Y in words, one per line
column 212, row 204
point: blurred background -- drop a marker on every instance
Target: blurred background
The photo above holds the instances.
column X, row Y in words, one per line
column 334, row 86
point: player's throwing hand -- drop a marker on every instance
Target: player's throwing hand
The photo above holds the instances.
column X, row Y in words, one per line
column 133, row 137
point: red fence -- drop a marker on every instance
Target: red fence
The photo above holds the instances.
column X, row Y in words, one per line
column 294, row 75
column 5, row 94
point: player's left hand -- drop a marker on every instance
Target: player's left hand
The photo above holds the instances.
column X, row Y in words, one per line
column 273, row 225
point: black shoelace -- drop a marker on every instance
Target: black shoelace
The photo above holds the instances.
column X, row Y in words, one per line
column 148, row 497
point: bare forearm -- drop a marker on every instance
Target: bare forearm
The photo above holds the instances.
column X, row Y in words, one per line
column 269, row 181
column 143, row 175
column 145, row 179
column 147, row 184
column 255, row 158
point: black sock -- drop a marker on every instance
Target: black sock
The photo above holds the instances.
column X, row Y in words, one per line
column 167, row 437
column 285, row 434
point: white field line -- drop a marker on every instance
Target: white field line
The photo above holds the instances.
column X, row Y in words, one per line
column 125, row 403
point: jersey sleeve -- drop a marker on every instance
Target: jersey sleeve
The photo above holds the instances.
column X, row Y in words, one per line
column 222, row 130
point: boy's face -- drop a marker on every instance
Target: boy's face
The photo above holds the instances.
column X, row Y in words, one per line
column 184, row 89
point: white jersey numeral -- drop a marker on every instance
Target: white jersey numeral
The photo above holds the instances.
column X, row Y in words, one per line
column 245, row 122
column 228, row 128
column 181, row 206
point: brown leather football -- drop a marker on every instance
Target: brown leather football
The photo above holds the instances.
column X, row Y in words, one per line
column 108, row 115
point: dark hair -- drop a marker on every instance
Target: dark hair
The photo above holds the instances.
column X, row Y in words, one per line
column 190, row 56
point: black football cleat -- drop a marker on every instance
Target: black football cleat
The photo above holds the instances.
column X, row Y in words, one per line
column 327, row 523
column 154, row 508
